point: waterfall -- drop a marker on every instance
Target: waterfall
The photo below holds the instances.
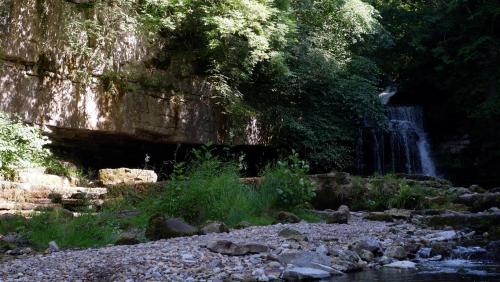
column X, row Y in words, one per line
column 404, row 148
column 409, row 148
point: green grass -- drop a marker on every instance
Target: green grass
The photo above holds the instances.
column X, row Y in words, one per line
column 206, row 190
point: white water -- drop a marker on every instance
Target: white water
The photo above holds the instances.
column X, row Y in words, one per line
column 409, row 141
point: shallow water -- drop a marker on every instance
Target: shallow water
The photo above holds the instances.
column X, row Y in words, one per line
column 456, row 270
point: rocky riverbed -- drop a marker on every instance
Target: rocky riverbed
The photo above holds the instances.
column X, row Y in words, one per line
column 291, row 251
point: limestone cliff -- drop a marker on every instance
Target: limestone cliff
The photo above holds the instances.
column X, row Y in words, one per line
column 62, row 66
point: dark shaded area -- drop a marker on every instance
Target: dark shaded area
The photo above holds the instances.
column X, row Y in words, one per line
column 95, row 150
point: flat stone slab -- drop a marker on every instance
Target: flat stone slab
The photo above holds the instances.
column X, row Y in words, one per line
column 123, row 175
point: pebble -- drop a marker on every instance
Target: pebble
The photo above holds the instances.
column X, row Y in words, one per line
column 171, row 259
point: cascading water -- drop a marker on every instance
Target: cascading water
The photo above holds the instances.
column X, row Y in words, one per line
column 408, row 145
column 403, row 148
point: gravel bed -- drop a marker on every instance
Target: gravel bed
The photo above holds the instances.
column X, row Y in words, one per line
column 188, row 259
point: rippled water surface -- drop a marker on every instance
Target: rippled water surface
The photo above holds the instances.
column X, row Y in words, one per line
column 443, row 271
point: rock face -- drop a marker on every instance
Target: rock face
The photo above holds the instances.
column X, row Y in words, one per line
column 126, row 176
column 57, row 72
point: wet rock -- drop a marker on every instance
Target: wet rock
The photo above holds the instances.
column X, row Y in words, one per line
column 404, row 264
column 424, row 252
column 442, row 248
column 443, row 236
column 304, row 273
column 287, row 217
column 346, row 261
column 383, row 260
column 126, row 176
column 292, row 234
column 469, row 253
column 214, row 227
column 396, row 252
column 368, row 243
column 227, row 247
column 161, row 228
column 366, row 255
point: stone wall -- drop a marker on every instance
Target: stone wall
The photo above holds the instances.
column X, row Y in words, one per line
column 56, row 56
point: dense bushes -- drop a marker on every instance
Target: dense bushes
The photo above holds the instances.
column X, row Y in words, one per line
column 21, row 146
column 212, row 190
column 381, row 193
column 287, row 184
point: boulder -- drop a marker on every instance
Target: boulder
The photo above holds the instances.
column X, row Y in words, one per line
column 368, row 243
column 214, row 227
column 342, row 215
column 36, row 176
column 443, row 236
column 443, row 249
column 346, row 261
column 227, row 247
column 161, row 228
column 287, row 217
column 304, row 273
column 366, row 255
column 304, row 259
column 292, row 234
column 396, row 252
column 126, row 176
column 404, row 264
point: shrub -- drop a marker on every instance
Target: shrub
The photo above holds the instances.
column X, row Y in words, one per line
column 287, row 184
column 21, row 146
column 208, row 190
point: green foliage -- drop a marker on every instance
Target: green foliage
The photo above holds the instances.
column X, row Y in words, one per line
column 387, row 192
column 287, row 184
column 330, row 87
column 223, row 39
column 84, row 231
column 21, row 146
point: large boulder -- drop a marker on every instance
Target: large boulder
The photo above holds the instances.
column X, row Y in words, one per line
column 346, row 260
column 160, row 227
column 396, row 252
column 126, row 176
column 368, row 243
